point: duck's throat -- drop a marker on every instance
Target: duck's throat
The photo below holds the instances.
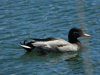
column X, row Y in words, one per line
column 73, row 40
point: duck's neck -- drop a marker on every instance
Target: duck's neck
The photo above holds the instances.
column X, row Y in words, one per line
column 73, row 40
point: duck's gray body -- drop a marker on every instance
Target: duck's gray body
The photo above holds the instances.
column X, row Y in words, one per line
column 57, row 44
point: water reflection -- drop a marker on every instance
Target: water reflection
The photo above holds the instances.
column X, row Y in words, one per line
column 52, row 57
column 62, row 56
column 73, row 61
column 75, row 64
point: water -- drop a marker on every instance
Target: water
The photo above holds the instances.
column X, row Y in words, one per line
column 24, row 19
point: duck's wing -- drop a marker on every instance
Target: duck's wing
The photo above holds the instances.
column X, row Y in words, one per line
column 42, row 43
column 46, row 39
column 50, row 42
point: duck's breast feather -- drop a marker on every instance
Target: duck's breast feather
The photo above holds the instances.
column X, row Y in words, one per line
column 69, row 47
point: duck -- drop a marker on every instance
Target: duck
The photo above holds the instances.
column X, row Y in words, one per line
column 56, row 44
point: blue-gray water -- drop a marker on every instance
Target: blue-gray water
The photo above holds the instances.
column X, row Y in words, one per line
column 24, row 19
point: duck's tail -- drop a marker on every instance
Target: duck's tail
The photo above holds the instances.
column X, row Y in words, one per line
column 28, row 46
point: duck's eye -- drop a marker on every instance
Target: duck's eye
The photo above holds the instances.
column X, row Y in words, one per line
column 75, row 34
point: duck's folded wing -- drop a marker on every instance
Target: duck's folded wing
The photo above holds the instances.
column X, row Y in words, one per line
column 54, row 42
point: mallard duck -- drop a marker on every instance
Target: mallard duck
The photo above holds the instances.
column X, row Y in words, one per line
column 57, row 44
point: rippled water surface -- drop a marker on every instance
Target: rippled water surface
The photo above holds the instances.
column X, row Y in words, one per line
column 24, row 19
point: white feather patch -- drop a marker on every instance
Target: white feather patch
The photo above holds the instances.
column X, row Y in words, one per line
column 26, row 46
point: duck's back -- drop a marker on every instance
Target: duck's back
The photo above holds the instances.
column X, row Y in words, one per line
column 54, row 42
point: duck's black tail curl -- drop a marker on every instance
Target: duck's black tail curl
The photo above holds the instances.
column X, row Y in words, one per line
column 27, row 46
column 23, row 43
